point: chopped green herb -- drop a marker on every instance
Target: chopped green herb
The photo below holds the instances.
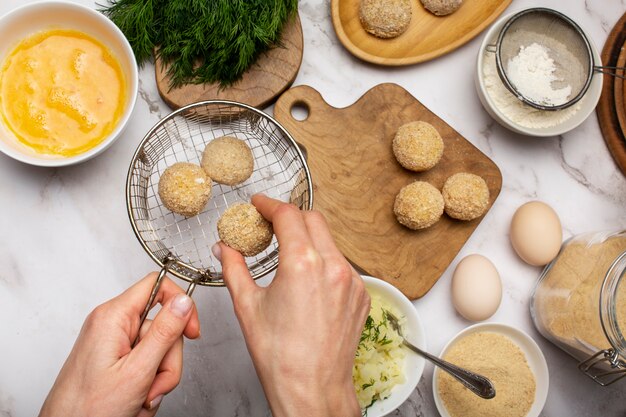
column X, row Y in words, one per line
column 372, row 332
column 364, row 413
column 371, row 383
column 378, row 359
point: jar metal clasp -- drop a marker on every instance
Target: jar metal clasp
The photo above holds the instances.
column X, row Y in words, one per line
column 595, row 367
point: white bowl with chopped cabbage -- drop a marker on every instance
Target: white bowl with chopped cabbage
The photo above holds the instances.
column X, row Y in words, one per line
column 385, row 373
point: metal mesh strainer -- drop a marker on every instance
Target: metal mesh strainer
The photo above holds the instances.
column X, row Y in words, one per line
column 568, row 47
column 182, row 246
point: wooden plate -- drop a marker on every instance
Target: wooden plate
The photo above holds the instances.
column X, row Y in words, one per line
column 272, row 74
column 606, row 110
column 356, row 179
column 427, row 37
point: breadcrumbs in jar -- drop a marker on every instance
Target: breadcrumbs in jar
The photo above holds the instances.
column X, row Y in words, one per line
column 579, row 304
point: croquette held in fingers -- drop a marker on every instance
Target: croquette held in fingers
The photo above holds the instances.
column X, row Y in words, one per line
column 244, row 229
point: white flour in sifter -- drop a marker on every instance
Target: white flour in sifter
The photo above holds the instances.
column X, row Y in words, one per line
column 532, row 72
column 514, row 109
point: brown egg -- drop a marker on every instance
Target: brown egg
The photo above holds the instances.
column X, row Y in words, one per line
column 536, row 233
column 476, row 288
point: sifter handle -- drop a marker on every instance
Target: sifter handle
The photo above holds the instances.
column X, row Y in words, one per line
column 606, row 70
column 153, row 294
column 155, row 291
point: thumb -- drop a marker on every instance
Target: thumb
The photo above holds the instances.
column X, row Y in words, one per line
column 166, row 328
column 235, row 270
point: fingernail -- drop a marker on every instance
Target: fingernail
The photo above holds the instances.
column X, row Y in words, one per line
column 155, row 402
column 217, row 251
column 181, row 305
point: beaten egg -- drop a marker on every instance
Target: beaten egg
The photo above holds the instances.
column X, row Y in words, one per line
column 61, row 92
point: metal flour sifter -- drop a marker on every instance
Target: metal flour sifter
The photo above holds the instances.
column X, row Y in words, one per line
column 569, row 47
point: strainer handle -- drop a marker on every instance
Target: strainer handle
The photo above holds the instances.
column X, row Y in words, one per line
column 153, row 294
column 155, row 291
column 606, row 70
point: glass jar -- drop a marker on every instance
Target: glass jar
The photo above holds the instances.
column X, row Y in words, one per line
column 579, row 303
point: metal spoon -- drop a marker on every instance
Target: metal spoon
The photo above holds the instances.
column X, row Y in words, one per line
column 478, row 384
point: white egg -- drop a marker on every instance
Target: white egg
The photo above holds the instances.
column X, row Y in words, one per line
column 476, row 288
column 536, row 233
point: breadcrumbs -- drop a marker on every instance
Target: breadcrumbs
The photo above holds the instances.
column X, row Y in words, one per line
column 418, row 205
column 185, row 188
column 244, row 229
column 442, row 7
column 466, row 196
column 385, row 18
column 501, row 361
column 418, row 146
column 228, row 160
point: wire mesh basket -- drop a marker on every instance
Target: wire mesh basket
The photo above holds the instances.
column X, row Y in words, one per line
column 180, row 245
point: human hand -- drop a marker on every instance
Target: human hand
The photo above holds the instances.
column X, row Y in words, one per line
column 103, row 376
column 302, row 331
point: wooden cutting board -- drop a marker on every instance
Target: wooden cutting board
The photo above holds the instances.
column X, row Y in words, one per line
column 356, row 179
column 272, row 74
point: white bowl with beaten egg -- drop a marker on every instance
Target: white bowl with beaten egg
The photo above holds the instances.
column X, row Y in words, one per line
column 413, row 331
column 35, row 18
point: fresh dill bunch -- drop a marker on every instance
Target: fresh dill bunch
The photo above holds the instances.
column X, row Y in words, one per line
column 201, row 41
column 136, row 19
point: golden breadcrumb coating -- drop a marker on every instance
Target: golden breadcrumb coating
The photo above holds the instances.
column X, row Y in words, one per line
column 442, row 7
column 185, row 188
column 418, row 146
column 466, row 196
column 385, row 18
column 228, row 160
column 244, row 229
column 418, row 205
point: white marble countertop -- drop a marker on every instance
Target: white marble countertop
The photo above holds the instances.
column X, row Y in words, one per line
column 67, row 244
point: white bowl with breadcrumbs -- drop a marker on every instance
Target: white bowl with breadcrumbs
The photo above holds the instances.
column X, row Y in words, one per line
column 530, row 349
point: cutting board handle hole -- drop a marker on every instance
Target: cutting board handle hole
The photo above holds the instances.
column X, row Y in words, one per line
column 300, row 110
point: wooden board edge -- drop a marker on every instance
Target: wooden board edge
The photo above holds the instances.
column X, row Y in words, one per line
column 283, row 106
column 605, row 111
column 618, row 92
